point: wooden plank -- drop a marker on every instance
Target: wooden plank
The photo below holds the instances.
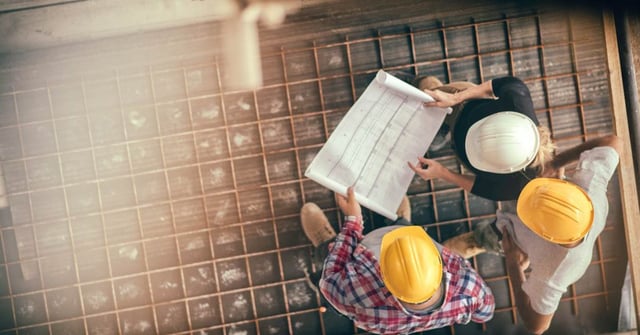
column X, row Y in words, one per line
column 629, row 193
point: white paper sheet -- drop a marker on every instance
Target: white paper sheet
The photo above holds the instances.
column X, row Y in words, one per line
column 387, row 127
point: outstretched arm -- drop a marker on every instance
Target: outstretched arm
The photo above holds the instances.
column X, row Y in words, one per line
column 443, row 99
column 573, row 154
column 336, row 274
column 517, row 262
column 432, row 169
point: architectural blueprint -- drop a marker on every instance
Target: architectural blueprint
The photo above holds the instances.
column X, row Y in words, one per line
column 387, row 127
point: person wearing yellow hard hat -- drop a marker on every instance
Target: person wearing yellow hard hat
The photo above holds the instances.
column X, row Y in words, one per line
column 494, row 132
column 559, row 218
column 395, row 279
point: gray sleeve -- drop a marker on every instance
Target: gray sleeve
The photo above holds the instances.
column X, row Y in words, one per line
column 595, row 168
column 543, row 297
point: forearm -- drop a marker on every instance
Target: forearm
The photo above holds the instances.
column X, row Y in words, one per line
column 463, row 181
column 573, row 154
column 534, row 322
column 482, row 91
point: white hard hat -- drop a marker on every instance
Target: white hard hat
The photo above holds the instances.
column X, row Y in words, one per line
column 503, row 142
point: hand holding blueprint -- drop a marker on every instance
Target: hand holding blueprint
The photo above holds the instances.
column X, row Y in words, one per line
column 387, row 127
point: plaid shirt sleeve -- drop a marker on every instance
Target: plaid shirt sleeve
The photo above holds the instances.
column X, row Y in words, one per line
column 335, row 272
column 469, row 298
column 485, row 304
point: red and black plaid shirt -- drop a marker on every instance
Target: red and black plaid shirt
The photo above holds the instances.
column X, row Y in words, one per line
column 352, row 283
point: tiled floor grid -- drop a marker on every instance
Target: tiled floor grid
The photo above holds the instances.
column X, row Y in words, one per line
column 147, row 199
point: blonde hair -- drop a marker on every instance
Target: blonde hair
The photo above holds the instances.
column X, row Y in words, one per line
column 545, row 151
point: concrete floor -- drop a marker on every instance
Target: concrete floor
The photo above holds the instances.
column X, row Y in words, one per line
column 146, row 198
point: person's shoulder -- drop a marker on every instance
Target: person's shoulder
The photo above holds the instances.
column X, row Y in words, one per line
column 507, row 81
column 501, row 187
column 510, row 79
column 458, row 268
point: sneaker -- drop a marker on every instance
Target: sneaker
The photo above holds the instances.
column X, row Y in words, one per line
column 429, row 83
column 464, row 245
column 488, row 236
column 404, row 210
column 315, row 224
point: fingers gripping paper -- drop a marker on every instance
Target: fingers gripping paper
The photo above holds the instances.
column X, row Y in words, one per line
column 387, row 127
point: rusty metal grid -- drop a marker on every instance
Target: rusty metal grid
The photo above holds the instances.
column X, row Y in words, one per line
column 151, row 200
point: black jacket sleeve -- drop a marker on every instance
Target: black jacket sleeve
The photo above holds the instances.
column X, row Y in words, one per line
column 513, row 91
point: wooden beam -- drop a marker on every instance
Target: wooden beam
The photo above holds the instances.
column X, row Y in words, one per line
column 626, row 171
column 81, row 21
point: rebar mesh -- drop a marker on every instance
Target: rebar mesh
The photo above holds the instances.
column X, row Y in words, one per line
column 147, row 199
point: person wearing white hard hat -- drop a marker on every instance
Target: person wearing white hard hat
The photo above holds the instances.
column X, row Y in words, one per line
column 494, row 132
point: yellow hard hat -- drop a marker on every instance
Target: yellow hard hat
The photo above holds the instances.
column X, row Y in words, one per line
column 557, row 210
column 410, row 264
